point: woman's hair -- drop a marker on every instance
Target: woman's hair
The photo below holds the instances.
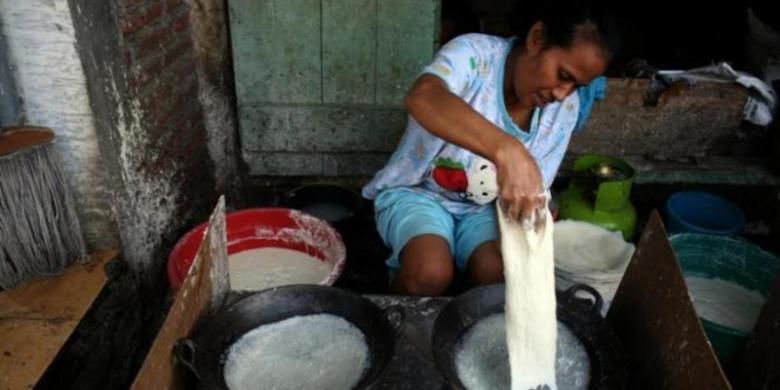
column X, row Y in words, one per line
column 566, row 21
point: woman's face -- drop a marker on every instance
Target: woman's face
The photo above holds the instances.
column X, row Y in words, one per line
column 546, row 74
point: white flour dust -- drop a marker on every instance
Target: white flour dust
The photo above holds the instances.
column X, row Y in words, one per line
column 482, row 359
column 320, row 351
column 725, row 303
column 582, row 247
column 262, row 268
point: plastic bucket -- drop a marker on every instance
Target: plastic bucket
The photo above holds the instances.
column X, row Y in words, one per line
column 704, row 213
column 730, row 259
column 264, row 227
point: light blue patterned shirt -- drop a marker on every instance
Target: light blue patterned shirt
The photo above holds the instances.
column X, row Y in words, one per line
column 472, row 66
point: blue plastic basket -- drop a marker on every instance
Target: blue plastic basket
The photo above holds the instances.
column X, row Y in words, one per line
column 704, row 213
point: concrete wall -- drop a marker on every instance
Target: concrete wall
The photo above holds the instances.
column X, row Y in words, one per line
column 292, row 123
column 143, row 87
column 701, row 120
column 319, row 83
column 213, row 62
column 688, row 121
column 144, row 90
column 48, row 88
column 10, row 104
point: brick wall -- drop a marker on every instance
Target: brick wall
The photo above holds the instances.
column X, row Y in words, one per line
column 143, row 88
column 160, row 57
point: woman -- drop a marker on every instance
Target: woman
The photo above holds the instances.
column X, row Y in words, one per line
column 490, row 118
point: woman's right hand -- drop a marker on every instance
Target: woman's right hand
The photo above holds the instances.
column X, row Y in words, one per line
column 519, row 180
column 449, row 117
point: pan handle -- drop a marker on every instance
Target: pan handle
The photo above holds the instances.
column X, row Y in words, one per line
column 570, row 295
column 396, row 315
column 185, row 351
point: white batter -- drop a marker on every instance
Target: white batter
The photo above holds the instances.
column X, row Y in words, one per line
column 482, row 360
column 530, row 301
column 725, row 303
column 590, row 254
column 582, row 247
column 320, row 351
column 262, row 268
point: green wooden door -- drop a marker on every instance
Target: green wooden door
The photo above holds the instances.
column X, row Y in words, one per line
column 320, row 83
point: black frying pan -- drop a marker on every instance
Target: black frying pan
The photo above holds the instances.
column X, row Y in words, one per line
column 205, row 353
column 581, row 316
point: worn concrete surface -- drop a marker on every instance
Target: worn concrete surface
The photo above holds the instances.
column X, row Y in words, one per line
column 322, row 129
column 138, row 59
column 216, row 91
column 412, row 366
column 326, row 77
column 51, row 86
column 687, row 121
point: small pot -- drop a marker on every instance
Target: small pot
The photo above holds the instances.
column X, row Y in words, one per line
column 205, row 354
column 308, row 197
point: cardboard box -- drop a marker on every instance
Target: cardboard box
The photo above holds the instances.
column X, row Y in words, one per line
column 760, row 363
column 203, row 290
column 655, row 319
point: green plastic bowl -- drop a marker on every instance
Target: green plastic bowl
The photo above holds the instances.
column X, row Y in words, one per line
column 732, row 259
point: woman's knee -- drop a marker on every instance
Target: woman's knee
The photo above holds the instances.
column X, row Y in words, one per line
column 486, row 265
column 426, row 266
column 435, row 275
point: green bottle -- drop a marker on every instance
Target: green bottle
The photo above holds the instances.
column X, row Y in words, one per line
column 599, row 193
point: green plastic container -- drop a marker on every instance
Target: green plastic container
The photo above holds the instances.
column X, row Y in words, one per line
column 732, row 259
column 603, row 201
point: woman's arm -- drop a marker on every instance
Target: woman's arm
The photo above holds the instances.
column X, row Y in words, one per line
column 447, row 116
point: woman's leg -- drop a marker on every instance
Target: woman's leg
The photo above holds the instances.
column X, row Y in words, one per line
column 426, row 267
column 420, row 232
column 477, row 249
column 486, row 265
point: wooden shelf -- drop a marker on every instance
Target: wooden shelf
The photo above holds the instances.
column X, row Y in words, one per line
column 736, row 171
column 36, row 319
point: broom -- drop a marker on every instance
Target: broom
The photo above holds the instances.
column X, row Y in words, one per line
column 39, row 231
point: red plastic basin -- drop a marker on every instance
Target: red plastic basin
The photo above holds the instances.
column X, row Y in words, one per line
column 264, row 227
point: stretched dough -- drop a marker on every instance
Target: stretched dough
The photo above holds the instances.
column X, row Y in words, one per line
column 530, row 301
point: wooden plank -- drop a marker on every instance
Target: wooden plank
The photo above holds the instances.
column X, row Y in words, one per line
column 406, row 42
column 322, row 128
column 276, row 50
column 653, row 315
column 28, row 347
column 204, row 289
column 36, row 319
column 349, row 51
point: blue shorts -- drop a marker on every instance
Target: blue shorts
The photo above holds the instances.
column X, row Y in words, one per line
column 402, row 214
